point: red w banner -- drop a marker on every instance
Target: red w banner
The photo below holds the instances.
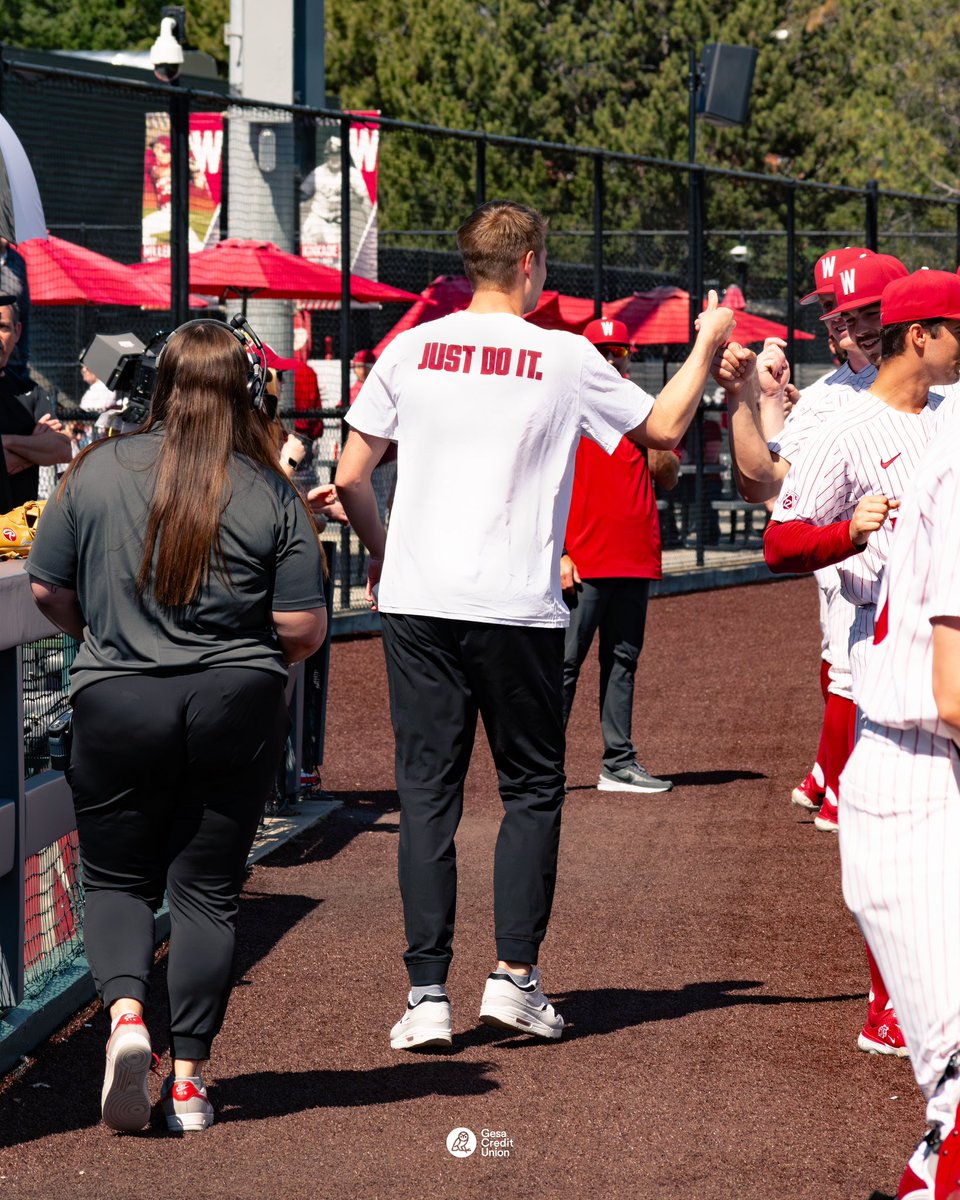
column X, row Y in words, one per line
column 206, row 156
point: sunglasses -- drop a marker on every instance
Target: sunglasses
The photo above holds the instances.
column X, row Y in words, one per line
column 614, row 351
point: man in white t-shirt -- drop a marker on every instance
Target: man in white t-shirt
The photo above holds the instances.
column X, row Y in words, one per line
column 486, row 411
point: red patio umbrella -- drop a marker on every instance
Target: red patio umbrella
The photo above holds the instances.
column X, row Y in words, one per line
column 447, row 294
column 247, row 268
column 60, row 272
column 557, row 311
column 661, row 317
column 452, row 293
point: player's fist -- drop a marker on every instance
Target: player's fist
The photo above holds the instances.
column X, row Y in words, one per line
column 869, row 516
column 731, row 366
column 715, row 324
column 772, row 368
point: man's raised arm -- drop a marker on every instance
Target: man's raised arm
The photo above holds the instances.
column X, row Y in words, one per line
column 758, row 472
column 673, row 409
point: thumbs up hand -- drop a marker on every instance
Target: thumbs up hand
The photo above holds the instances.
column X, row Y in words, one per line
column 715, row 324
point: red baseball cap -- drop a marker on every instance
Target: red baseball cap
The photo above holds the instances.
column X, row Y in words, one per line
column 275, row 362
column 365, row 356
column 922, row 296
column 863, row 280
column 826, row 268
column 607, row 332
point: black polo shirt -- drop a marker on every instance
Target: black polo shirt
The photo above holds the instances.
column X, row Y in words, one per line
column 21, row 407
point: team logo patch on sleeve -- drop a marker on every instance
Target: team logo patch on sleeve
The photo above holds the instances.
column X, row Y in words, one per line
column 789, row 501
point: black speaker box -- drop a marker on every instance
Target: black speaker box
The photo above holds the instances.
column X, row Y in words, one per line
column 726, row 80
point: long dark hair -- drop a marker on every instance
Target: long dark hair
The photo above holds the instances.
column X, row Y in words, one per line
column 202, row 402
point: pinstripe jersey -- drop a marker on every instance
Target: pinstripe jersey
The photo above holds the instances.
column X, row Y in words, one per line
column 866, row 449
column 922, row 581
column 818, row 403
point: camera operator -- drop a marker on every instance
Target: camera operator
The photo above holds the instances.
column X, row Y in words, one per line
column 189, row 567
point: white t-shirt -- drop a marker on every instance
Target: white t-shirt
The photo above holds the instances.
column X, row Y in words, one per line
column 867, row 449
column 487, row 411
column 922, row 581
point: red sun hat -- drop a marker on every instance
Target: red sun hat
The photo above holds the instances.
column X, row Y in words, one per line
column 862, row 282
column 922, row 296
column 607, row 332
column 826, row 268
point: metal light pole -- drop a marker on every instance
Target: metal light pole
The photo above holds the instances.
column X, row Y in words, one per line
column 180, row 204
column 695, row 285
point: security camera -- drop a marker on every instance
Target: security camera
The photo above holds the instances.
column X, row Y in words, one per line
column 166, row 53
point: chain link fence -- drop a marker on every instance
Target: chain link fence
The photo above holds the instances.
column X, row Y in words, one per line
column 101, row 147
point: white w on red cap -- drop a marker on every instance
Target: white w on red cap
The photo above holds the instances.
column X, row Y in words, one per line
column 828, row 266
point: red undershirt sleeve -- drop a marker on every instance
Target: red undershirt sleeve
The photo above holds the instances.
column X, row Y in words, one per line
column 793, row 546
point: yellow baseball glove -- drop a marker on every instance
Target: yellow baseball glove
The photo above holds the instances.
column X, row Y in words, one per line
column 18, row 528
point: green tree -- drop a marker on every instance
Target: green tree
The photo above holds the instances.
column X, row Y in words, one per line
column 844, row 95
column 108, row 25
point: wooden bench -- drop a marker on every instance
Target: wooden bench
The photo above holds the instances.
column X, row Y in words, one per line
column 747, row 510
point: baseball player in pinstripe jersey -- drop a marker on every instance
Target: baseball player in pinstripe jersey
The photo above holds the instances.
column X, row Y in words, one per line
column 793, row 542
column 761, row 465
column 818, row 790
column 855, row 468
column 900, row 834
column 836, row 504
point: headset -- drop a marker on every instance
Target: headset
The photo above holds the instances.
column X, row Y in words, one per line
column 253, row 349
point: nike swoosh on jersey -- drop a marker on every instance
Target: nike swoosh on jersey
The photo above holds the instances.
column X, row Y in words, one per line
column 889, row 461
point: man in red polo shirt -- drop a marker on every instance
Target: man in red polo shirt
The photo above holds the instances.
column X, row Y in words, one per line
column 612, row 552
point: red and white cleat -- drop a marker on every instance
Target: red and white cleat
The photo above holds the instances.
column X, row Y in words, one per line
column 828, row 818
column 807, row 794
column 881, row 1034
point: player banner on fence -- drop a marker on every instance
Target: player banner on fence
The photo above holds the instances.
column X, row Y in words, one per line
column 320, row 201
column 206, row 153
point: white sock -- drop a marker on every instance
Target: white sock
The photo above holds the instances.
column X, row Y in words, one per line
column 432, row 989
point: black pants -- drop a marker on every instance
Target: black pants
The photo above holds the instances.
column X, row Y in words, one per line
column 618, row 608
column 441, row 674
column 169, row 776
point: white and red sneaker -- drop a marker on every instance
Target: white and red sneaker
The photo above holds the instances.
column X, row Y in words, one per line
column 881, row 1034
column 828, row 818
column 185, row 1106
column 807, row 794
column 125, row 1100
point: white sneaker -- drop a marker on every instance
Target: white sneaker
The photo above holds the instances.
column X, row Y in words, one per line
column 125, row 1100
column 508, row 1004
column 185, row 1107
column 429, row 1022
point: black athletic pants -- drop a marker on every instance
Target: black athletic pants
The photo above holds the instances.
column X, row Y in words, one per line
column 170, row 774
column 441, row 674
column 618, row 608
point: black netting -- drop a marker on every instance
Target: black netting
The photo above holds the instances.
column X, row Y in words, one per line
column 266, row 173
